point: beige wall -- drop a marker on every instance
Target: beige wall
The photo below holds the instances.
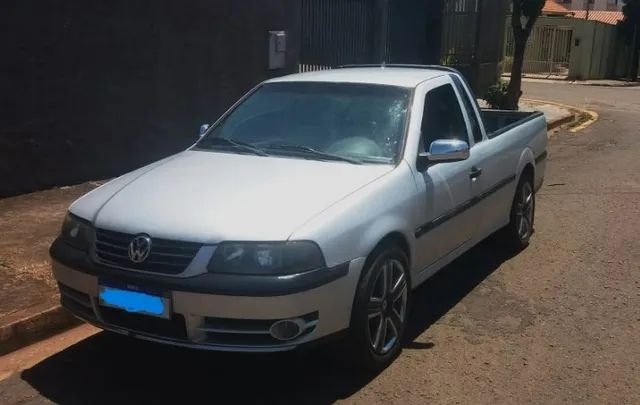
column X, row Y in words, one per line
column 596, row 50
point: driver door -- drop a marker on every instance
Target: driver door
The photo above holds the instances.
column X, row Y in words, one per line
column 445, row 188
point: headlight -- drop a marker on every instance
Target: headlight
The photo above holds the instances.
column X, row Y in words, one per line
column 75, row 232
column 269, row 258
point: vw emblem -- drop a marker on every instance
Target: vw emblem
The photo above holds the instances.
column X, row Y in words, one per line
column 139, row 248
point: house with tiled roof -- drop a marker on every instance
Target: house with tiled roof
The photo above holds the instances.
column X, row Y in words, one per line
column 574, row 44
column 594, row 5
column 555, row 9
column 607, row 17
column 551, row 7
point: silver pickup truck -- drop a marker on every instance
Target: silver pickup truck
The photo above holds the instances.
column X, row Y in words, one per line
column 314, row 206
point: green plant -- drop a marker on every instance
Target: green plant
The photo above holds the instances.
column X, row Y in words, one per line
column 496, row 95
column 508, row 60
column 449, row 59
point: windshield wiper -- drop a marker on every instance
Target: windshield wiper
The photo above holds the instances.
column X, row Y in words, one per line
column 219, row 141
column 313, row 152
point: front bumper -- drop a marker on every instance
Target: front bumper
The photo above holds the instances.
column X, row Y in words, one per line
column 216, row 320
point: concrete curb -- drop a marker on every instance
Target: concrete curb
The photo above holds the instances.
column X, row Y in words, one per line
column 620, row 85
column 36, row 327
column 560, row 121
column 577, row 112
column 612, row 83
column 593, row 118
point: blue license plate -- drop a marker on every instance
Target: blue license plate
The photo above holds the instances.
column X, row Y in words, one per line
column 134, row 301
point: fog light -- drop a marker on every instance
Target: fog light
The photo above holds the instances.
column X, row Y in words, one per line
column 287, row 329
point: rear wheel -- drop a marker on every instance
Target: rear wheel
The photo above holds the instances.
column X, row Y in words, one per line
column 520, row 228
column 380, row 310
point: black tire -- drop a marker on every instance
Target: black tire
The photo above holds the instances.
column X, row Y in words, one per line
column 393, row 307
column 520, row 228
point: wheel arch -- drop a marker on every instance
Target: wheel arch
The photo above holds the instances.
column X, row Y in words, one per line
column 526, row 166
column 528, row 172
column 391, row 239
column 394, row 238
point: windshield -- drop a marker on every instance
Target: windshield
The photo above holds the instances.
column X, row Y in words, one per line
column 362, row 122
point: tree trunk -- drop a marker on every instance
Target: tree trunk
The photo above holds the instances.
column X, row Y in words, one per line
column 514, row 90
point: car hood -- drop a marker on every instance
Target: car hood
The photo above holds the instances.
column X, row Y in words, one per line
column 209, row 197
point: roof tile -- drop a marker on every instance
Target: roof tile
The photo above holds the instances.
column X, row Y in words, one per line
column 551, row 7
column 607, row 17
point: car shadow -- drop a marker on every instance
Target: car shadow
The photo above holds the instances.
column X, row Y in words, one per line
column 107, row 369
column 449, row 286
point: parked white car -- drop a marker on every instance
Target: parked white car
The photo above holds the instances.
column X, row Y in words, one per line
column 314, row 206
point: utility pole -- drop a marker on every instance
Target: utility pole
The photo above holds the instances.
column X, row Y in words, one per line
column 586, row 15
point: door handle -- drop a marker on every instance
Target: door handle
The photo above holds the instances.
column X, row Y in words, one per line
column 475, row 172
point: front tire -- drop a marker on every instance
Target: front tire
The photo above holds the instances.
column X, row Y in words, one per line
column 380, row 310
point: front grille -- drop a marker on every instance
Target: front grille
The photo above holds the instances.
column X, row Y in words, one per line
column 76, row 301
column 166, row 256
column 173, row 328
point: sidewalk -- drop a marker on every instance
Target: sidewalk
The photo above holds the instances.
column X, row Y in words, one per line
column 555, row 115
column 606, row 83
column 28, row 294
column 562, row 80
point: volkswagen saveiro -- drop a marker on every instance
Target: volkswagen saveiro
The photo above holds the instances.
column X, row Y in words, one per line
column 315, row 205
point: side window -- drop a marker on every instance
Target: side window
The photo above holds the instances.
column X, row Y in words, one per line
column 471, row 112
column 442, row 117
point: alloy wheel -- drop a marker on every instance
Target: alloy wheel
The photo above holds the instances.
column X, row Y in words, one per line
column 387, row 306
column 524, row 211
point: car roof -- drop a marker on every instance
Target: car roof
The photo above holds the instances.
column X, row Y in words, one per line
column 391, row 76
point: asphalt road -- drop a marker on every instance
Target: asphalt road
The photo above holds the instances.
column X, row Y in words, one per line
column 557, row 323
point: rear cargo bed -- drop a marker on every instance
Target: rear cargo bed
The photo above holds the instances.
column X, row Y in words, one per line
column 497, row 122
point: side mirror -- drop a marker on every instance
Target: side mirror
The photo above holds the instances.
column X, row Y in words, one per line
column 203, row 129
column 443, row 150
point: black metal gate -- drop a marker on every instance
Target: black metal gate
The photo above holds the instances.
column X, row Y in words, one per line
column 338, row 32
column 466, row 34
column 548, row 51
column 459, row 25
column 472, row 39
